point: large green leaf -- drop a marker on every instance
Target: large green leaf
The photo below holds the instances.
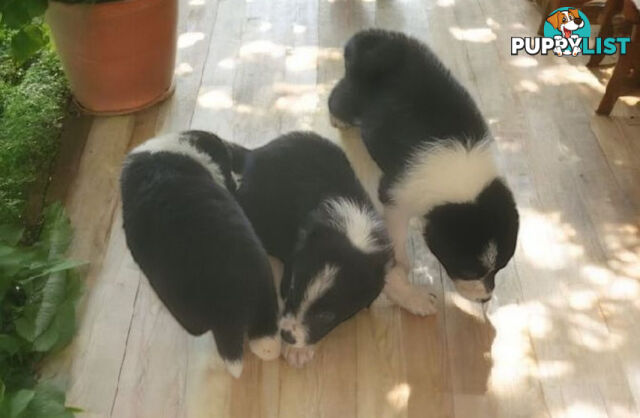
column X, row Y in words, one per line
column 29, row 40
column 57, row 267
column 48, row 402
column 61, row 330
column 11, row 234
column 36, row 8
column 19, row 401
column 8, row 344
column 56, row 233
column 39, row 317
column 48, row 287
column 15, row 14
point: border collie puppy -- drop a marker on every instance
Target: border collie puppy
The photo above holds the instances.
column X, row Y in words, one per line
column 195, row 245
column 312, row 214
column 428, row 137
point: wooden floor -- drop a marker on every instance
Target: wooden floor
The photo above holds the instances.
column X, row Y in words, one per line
column 562, row 337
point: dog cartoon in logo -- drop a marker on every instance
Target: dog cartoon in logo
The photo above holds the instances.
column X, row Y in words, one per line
column 566, row 21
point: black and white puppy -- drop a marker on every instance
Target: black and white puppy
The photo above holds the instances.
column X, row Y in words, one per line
column 195, row 245
column 312, row 214
column 428, row 137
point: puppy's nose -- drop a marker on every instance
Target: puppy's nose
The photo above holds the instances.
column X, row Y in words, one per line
column 287, row 336
column 578, row 20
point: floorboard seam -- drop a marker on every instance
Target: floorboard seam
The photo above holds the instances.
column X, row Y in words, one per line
column 126, row 343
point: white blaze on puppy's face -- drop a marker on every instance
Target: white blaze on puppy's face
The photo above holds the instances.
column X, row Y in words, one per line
column 293, row 322
column 488, row 258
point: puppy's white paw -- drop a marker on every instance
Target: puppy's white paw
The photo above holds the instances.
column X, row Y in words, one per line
column 338, row 123
column 297, row 357
column 419, row 301
column 234, row 367
column 266, row 348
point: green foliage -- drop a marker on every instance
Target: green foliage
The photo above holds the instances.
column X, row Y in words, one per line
column 39, row 289
column 33, row 101
column 24, row 18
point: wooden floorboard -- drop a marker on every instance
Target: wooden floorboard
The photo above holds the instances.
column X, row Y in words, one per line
column 560, row 339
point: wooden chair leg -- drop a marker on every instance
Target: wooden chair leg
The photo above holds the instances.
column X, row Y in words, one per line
column 620, row 80
column 545, row 12
column 606, row 20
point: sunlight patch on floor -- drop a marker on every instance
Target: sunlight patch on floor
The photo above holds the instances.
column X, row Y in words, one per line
column 216, row 99
column 303, row 103
column 553, row 369
column 398, row 396
column 446, row 3
column 477, row 35
column 261, row 47
column 189, row 39
column 302, row 59
column 183, row 69
column 546, row 241
column 527, row 86
column 569, row 74
column 511, row 350
column 227, row 63
column 299, row 29
column 524, row 62
column 579, row 410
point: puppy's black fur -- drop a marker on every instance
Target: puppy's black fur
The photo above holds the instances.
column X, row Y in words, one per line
column 295, row 190
column 194, row 243
column 401, row 95
column 405, row 100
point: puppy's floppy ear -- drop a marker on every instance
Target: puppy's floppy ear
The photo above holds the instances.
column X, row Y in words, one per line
column 554, row 19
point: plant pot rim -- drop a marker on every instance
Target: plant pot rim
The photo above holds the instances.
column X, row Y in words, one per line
column 161, row 98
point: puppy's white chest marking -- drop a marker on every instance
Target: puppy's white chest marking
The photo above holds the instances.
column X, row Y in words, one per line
column 448, row 172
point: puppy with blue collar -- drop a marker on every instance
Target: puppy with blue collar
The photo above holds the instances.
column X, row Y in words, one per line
column 429, row 139
column 312, row 214
column 195, row 245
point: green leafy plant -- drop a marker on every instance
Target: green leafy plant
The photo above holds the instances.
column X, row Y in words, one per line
column 24, row 19
column 33, row 102
column 39, row 289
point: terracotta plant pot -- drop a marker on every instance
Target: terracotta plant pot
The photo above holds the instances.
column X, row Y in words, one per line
column 119, row 56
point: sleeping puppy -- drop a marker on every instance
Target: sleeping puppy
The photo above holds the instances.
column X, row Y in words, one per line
column 195, row 245
column 428, row 137
column 311, row 213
